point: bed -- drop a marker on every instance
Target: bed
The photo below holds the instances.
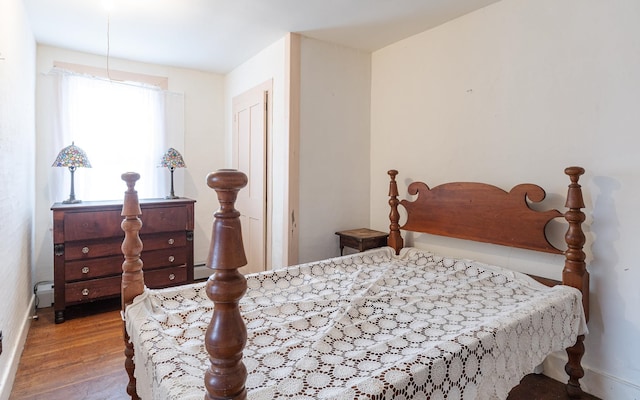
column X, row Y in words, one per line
column 389, row 323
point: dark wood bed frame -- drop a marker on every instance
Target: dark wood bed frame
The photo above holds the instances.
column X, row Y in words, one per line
column 472, row 211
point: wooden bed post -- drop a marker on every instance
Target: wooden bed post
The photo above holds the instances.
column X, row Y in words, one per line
column 575, row 269
column 575, row 273
column 226, row 335
column 132, row 278
column 395, row 238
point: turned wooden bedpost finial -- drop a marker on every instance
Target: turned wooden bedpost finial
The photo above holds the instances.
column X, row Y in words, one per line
column 575, row 273
column 132, row 282
column 132, row 279
column 395, row 238
column 575, row 269
column 226, row 335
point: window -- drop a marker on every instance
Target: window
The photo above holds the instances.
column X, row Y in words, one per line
column 122, row 127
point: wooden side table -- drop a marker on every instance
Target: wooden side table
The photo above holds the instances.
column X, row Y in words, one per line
column 362, row 239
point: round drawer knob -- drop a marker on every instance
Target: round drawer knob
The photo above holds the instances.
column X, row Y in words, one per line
column 171, row 241
column 172, row 277
column 85, row 250
column 85, row 270
column 85, row 292
column 172, row 258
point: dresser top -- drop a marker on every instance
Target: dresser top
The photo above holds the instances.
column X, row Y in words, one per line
column 117, row 204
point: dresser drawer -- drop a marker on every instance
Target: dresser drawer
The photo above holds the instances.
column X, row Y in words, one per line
column 164, row 219
column 93, row 268
column 166, row 240
column 111, row 246
column 92, row 225
column 92, row 289
column 85, row 249
column 164, row 258
column 104, row 224
column 160, row 278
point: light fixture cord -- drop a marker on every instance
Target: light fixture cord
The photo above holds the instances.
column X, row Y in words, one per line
column 108, row 43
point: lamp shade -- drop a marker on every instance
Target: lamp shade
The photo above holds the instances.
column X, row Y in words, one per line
column 172, row 159
column 72, row 157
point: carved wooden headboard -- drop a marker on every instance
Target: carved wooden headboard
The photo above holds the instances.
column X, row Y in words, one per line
column 485, row 213
column 480, row 212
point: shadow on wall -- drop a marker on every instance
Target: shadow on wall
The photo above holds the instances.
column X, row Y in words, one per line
column 606, row 275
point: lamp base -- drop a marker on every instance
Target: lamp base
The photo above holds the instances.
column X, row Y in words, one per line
column 172, row 194
column 71, row 201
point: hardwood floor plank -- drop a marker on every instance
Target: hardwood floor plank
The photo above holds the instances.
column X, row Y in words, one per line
column 81, row 358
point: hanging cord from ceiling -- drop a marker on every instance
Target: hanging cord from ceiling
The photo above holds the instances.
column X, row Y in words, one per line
column 108, row 43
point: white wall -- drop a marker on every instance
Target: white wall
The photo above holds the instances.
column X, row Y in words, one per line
column 334, row 140
column 17, row 158
column 334, row 145
column 203, row 148
column 514, row 93
column 269, row 64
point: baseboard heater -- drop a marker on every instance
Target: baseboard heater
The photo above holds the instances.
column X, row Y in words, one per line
column 201, row 272
column 43, row 292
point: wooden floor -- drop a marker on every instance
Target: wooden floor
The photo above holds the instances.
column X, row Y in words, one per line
column 82, row 359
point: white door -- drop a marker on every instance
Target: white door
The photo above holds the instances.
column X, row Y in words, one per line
column 250, row 146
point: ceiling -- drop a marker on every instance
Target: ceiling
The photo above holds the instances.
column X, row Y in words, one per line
column 218, row 35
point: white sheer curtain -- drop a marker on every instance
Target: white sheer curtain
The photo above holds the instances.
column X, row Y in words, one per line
column 122, row 127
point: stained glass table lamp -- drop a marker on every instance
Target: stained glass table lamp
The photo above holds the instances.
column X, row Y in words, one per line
column 172, row 159
column 73, row 157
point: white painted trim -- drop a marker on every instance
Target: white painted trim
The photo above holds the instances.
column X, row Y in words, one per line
column 594, row 382
column 159, row 81
column 14, row 354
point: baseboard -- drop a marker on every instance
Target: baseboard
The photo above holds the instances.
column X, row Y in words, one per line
column 597, row 383
column 14, row 354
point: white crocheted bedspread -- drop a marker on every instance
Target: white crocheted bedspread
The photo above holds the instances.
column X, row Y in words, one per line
column 370, row 325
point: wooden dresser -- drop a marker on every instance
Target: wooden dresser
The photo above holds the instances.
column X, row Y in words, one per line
column 86, row 245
